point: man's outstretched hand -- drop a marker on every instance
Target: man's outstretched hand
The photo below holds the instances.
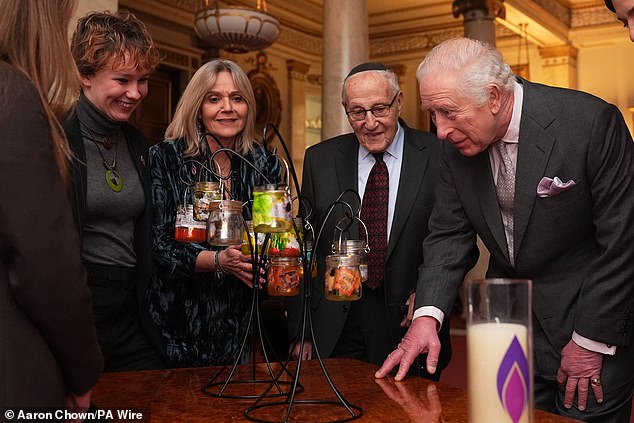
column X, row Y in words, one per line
column 421, row 337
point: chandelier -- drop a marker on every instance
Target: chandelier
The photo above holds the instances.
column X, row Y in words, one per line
column 236, row 29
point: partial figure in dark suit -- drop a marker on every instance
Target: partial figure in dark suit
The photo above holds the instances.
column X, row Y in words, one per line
column 569, row 228
column 368, row 329
column 115, row 56
column 624, row 10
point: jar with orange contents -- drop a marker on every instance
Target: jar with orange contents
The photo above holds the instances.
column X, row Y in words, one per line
column 343, row 278
column 283, row 276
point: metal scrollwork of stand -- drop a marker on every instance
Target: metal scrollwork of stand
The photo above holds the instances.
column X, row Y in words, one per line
column 218, row 386
column 348, row 411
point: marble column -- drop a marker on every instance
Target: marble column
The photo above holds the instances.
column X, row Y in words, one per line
column 345, row 44
column 296, row 100
column 479, row 17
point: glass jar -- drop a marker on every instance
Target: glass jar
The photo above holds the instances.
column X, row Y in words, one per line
column 204, row 194
column 355, row 247
column 224, row 225
column 283, row 276
column 245, row 247
column 287, row 243
column 343, row 278
column 187, row 229
column 272, row 209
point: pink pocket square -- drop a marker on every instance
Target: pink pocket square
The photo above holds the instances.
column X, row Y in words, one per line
column 550, row 187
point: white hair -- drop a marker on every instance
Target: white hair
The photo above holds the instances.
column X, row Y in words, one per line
column 477, row 66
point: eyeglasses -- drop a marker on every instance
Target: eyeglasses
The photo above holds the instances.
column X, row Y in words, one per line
column 380, row 110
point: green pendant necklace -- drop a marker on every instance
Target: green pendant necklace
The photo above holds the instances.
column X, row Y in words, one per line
column 113, row 178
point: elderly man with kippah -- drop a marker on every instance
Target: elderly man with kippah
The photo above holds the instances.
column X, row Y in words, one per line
column 394, row 169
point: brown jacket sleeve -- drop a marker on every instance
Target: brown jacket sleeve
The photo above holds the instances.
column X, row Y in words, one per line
column 39, row 244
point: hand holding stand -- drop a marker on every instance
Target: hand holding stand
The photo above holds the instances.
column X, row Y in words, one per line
column 351, row 411
column 254, row 325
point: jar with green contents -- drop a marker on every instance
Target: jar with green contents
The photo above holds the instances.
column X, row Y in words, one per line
column 272, row 209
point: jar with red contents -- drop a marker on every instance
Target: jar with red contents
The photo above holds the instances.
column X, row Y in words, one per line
column 186, row 228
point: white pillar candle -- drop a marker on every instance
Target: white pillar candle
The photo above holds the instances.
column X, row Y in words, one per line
column 497, row 372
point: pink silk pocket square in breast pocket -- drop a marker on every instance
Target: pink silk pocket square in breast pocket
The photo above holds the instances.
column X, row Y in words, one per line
column 550, row 187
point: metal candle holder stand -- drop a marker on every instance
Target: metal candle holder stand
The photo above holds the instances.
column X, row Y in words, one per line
column 257, row 260
column 353, row 412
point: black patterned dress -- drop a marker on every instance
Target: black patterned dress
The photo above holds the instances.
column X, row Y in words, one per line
column 202, row 317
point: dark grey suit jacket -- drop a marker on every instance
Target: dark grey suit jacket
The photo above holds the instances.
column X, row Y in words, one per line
column 577, row 246
column 330, row 168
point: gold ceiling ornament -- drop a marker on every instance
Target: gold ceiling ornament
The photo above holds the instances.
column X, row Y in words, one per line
column 236, row 29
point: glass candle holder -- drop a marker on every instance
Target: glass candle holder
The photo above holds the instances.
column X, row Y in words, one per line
column 224, row 225
column 499, row 351
column 205, row 193
column 283, row 276
column 186, row 228
column 272, row 209
column 343, row 278
column 354, row 247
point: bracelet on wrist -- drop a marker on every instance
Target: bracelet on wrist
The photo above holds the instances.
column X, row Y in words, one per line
column 217, row 266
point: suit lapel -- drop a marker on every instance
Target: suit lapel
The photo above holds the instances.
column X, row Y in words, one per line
column 415, row 160
column 346, row 168
column 534, row 149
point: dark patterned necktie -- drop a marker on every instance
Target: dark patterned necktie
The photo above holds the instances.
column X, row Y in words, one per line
column 374, row 215
column 505, row 189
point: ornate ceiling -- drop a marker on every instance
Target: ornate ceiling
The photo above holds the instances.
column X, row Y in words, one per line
column 400, row 26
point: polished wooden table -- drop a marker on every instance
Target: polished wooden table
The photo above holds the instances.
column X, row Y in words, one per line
column 175, row 396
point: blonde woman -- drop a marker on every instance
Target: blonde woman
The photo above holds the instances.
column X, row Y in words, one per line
column 49, row 355
column 199, row 297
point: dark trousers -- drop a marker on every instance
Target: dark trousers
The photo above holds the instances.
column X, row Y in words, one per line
column 124, row 343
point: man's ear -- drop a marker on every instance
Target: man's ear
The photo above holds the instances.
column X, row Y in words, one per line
column 495, row 99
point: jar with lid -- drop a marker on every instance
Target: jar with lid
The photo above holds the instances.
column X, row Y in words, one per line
column 283, row 276
column 272, row 209
column 224, row 224
column 204, row 194
column 357, row 247
column 343, row 278
column 186, row 228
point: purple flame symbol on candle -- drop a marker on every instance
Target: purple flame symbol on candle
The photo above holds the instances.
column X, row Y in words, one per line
column 513, row 380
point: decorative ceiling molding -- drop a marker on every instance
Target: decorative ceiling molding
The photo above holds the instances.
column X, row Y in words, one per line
column 412, row 42
column 590, row 16
column 556, row 9
column 301, row 41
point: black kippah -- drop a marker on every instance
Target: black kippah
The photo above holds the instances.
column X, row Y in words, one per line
column 368, row 66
